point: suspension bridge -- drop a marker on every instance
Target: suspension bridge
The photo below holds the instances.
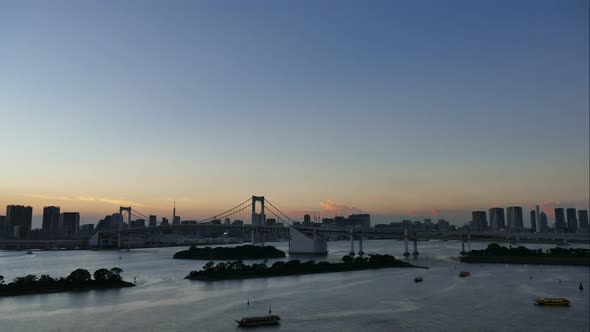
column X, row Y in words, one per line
column 248, row 220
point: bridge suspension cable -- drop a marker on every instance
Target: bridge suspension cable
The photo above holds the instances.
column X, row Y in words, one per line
column 281, row 212
column 228, row 212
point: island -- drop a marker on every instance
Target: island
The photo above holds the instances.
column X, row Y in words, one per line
column 495, row 253
column 238, row 270
column 230, row 253
column 78, row 280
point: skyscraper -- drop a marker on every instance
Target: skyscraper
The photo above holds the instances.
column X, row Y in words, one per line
column 515, row 223
column 572, row 220
column 543, row 222
column 497, row 221
column 560, row 225
column 19, row 217
column 51, row 224
column 70, row 222
column 583, row 220
column 533, row 221
column 479, row 221
column 153, row 221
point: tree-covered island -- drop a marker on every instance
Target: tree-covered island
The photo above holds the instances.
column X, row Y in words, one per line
column 238, row 270
column 231, row 253
column 78, row 280
column 495, row 253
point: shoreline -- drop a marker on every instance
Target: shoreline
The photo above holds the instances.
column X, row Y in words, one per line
column 118, row 285
column 568, row 261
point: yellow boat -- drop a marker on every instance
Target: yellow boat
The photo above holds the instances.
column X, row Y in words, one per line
column 552, row 301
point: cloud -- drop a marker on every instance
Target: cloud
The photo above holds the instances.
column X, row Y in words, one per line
column 50, row 198
column 120, row 202
column 331, row 206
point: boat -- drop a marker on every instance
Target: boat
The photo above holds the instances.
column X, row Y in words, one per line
column 418, row 279
column 552, row 301
column 464, row 274
column 29, row 252
column 258, row 320
column 581, row 288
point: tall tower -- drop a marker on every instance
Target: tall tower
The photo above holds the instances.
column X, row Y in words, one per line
column 174, row 212
column 538, row 219
column 258, row 219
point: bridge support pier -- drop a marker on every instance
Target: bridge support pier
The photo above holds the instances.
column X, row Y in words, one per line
column 351, row 242
column 361, row 252
column 462, row 247
column 469, row 242
column 415, row 253
column 406, row 252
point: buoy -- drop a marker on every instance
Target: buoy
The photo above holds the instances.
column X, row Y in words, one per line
column 581, row 288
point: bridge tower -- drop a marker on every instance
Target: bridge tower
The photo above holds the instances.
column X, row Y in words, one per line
column 121, row 209
column 258, row 219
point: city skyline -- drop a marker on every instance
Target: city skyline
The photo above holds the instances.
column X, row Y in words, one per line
column 395, row 109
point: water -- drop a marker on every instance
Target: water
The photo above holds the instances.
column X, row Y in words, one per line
column 496, row 297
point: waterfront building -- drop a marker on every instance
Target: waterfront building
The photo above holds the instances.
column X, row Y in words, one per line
column 86, row 230
column 227, row 221
column 479, row 221
column 543, row 223
column 164, row 222
column 18, row 216
column 176, row 220
column 533, row 221
column 153, row 221
column 572, row 220
column 583, row 220
column 560, row 225
column 238, row 222
column 497, row 221
column 51, row 222
column 307, row 218
column 139, row 223
column 2, row 226
column 515, row 222
column 70, row 222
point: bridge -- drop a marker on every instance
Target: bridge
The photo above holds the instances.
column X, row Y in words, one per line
column 250, row 222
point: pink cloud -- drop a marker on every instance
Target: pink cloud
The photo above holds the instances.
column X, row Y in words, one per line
column 331, row 206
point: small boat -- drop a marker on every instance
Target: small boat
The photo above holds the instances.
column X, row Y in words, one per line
column 29, row 252
column 464, row 274
column 418, row 279
column 552, row 301
column 258, row 320
column 581, row 288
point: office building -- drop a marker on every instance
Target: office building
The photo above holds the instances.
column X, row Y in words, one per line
column 497, row 221
column 21, row 217
column 139, row 223
column 70, row 222
column 86, row 230
column 164, row 222
column 153, row 221
column 572, row 220
column 533, row 221
column 583, row 220
column 479, row 221
column 51, row 222
column 307, row 218
column 515, row 222
column 560, row 225
column 543, row 225
column 176, row 220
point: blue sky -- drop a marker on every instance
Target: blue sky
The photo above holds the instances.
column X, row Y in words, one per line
column 386, row 106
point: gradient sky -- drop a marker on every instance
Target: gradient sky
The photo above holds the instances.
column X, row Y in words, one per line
column 396, row 108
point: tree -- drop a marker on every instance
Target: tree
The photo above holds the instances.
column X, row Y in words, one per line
column 347, row 259
column 79, row 276
column 208, row 266
column 116, row 274
column 1, row 280
column 102, row 275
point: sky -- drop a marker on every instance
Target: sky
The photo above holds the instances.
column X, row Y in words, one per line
column 395, row 108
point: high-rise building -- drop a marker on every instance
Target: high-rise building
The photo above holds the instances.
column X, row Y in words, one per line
column 497, row 221
column 515, row 223
column 138, row 223
column 2, row 226
column 70, row 222
column 307, row 218
column 533, row 221
column 164, row 222
column 21, row 217
column 583, row 220
column 560, row 225
column 572, row 220
column 51, row 222
column 543, row 222
column 153, row 221
column 479, row 221
column 537, row 218
column 87, row 229
column 176, row 220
